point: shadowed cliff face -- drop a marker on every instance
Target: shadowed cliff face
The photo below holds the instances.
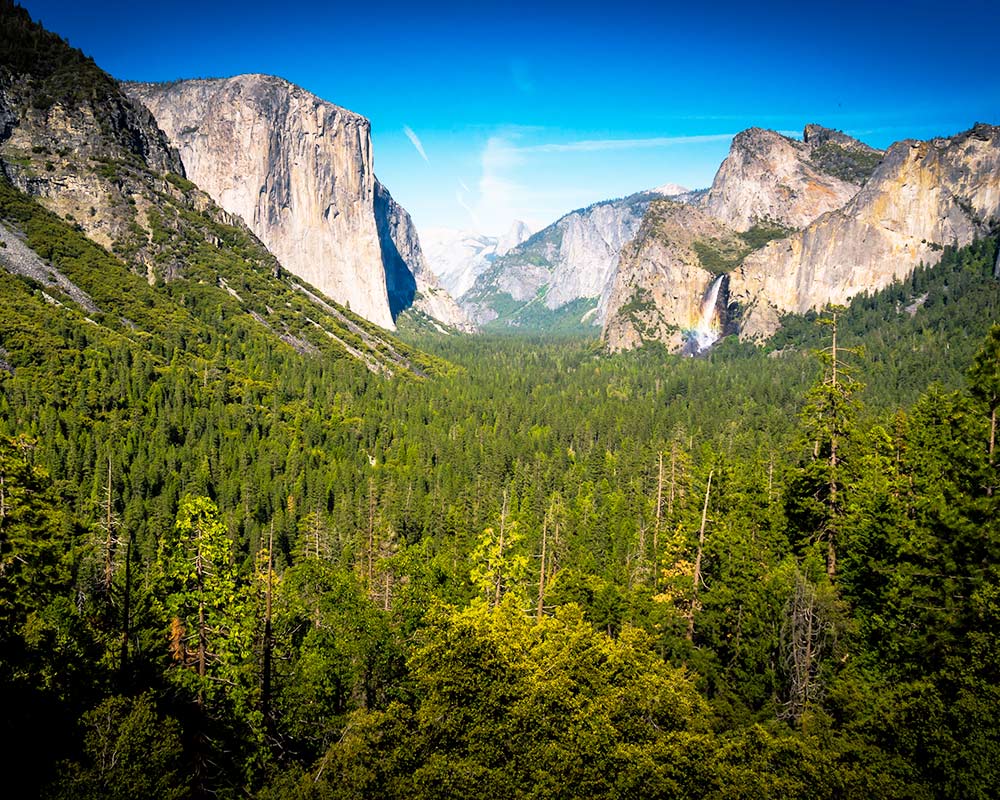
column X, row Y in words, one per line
column 409, row 281
column 924, row 195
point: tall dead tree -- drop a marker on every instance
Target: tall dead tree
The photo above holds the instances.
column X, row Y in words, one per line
column 695, row 604
column 806, row 637
column 268, row 643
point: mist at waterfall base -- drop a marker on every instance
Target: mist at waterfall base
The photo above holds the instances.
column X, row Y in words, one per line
column 708, row 329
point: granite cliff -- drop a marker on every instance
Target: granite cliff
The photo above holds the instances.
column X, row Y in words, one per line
column 922, row 196
column 562, row 274
column 299, row 171
column 665, row 275
column 818, row 222
column 772, row 180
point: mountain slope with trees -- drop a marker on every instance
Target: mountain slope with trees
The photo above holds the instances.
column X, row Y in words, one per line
column 238, row 560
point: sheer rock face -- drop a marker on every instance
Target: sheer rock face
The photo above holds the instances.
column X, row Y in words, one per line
column 296, row 169
column 574, row 258
column 769, row 179
column 661, row 281
column 409, row 281
column 923, row 195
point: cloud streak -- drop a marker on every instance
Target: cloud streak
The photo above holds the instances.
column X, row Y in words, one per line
column 416, row 142
column 596, row 145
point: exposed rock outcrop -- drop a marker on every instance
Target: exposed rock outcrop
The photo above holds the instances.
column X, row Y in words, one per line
column 296, row 169
column 664, row 275
column 517, row 233
column 77, row 151
column 768, row 179
column 923, row 195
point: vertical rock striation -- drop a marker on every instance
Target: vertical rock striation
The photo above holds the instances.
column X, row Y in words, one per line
column 296, row 169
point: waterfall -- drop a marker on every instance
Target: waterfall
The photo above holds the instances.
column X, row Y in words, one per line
column 709, row 327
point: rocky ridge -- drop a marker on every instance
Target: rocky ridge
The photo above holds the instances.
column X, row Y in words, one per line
column 572, row 261
column 458, row 257
column 772, row 180
column 923, row 195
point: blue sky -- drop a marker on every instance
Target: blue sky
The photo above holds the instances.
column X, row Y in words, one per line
column 483, row 113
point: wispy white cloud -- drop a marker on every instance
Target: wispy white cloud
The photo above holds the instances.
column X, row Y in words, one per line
column 508, row 187
column 460, row 198
column 595, row 145
column 416, row 142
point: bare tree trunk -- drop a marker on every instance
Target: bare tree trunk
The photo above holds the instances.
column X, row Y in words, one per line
column 371, row 530
column 126, row 607
column 659, row 508
column 503, row 529
column 541, row 571
column 697, row 560
column 109, row 536
column 803, row 634
column 265, row 692
column 202, row 624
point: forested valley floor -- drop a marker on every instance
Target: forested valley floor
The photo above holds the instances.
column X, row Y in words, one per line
column 523, row 569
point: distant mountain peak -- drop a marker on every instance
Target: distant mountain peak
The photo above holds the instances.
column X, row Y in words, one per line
column 669, row 190
column 517, row 233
